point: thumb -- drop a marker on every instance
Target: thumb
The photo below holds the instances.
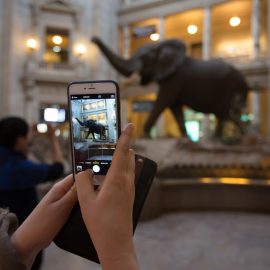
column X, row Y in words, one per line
column 84, row 186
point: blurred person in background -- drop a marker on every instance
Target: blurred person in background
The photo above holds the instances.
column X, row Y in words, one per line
column 19, row 175
column 111, row 232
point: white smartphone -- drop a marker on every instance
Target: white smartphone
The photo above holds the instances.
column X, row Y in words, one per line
column 94, row 116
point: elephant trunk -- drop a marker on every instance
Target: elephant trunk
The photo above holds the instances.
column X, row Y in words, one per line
column 124, row 66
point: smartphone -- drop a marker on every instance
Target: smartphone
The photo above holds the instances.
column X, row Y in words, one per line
column 74, row 236
column 94, row 115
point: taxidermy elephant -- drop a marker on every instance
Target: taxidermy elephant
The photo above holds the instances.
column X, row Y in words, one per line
column 205, row 86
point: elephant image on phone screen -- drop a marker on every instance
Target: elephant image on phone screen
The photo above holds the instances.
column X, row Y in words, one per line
column 207, row 86
column 93, row 128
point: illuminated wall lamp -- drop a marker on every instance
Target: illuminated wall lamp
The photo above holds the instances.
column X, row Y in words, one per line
column 31, row 44
column 80, row 49
column 57, row 39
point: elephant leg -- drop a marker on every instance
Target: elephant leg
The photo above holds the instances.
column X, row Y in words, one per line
column 236, row 118
column 153, row 116
column 219, row 128
column 235, row 112
column 179, row 117
column 88, row 133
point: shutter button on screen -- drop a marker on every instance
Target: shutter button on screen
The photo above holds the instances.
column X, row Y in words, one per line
column 96, row 168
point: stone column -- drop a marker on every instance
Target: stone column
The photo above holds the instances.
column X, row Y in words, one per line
column 126, row 54
column 31, row 102
column 207, row 34
column 206, row 56
column 160, row 124
column 161, row 28
column 255, row 108
column 268, row 60
column 126, row 41
column 256, row 28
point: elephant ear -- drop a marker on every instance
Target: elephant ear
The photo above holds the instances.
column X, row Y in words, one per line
column 170, row 56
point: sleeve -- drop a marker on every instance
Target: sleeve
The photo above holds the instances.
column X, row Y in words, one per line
column 9, row 258
column 29, row 174
column 54, row 171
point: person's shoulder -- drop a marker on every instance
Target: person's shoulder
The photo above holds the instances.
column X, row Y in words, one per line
column 3, row 150
column 10, row 153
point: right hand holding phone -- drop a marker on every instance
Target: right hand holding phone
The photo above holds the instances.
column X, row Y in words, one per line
column 108, row 213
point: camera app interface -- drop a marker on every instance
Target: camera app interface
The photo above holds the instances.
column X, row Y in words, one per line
column 94, row 130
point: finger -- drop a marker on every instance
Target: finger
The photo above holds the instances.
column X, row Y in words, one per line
column 60, row 188
column 84, row 186
column 67, row 182
column 123, row 173
column 70, row 198
column 122, row 148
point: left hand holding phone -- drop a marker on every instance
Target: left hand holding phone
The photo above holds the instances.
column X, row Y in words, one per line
column 108, row 213
column 46, row 220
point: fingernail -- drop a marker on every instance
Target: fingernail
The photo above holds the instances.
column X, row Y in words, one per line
column 128, row 128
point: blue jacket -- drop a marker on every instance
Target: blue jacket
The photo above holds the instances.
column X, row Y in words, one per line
column 18, row 178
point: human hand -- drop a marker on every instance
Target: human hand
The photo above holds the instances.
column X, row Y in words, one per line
column 108, row 213
column 50, row 132
column 46, row 220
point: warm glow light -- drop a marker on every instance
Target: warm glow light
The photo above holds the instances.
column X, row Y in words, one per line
column 192, row 29
column 234, row 181
column 57, row 132
column 57, row 40
column 235, row 21
column 154, row 37
column 81, row 49
column 206, row 180
column 42, row 128
column 56, row 49
column 31, row 43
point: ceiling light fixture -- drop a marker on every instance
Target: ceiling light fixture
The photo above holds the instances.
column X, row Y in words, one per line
column 192, row 29
column 235, row 21
column 154, row 37
column 57, row 39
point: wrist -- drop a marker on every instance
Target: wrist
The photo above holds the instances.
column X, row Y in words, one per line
column 127, row 260
column 25, row 250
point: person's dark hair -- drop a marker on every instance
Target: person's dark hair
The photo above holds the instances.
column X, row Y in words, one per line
column 11, row 128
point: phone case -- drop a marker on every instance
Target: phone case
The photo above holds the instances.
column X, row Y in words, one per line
column 74, row 236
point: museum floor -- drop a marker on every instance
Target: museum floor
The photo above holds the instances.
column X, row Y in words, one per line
column 190, row 241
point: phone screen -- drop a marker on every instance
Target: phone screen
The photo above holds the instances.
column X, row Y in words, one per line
column 94, row 128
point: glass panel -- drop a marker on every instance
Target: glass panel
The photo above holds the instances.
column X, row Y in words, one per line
column 140, row 33
column 232, row 41
column 57, row 46
column 187, row 26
